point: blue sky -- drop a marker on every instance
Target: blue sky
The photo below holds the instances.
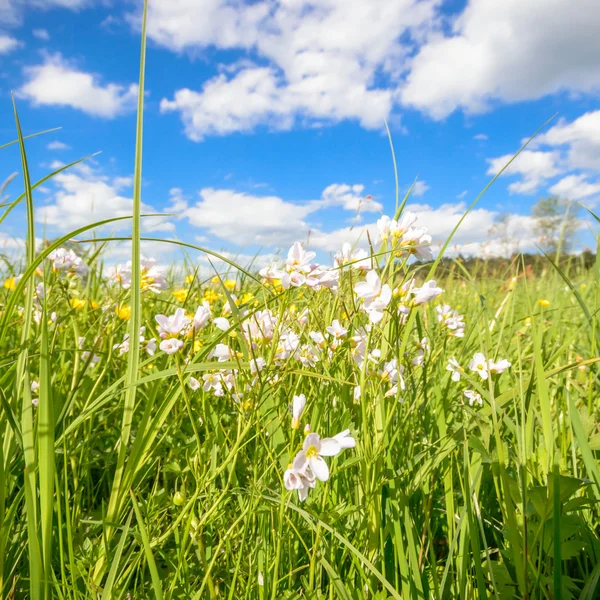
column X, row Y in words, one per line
column 264, row 120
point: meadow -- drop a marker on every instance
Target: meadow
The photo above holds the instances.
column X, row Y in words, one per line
column 389, row 425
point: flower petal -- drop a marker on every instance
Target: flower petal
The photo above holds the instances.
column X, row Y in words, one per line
column 319, row 468
column 329, row 447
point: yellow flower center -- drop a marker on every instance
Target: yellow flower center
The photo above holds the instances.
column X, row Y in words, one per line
column 312, row 452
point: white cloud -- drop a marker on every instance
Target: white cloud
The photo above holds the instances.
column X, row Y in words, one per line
column 41, row 34
column 350, row 197
column 11, row 11
column 535, row 168
column 325, row 62
column 419, row 188
column 245, row 219
column 57, row 83
column 241, row 219
column 580, row 139
column 83, row 197
column 506, row 51
column 57, row 145
column 575, row 187
column 8, row 43
column 8, row 243
column 481, row 137
column 269, row 100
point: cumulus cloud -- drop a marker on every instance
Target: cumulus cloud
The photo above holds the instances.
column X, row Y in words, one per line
column 57, row 83
column 580, row 140
column 8, row 43
column 568, row 149
column 506, row 52
column 575, row 187
column 534, row 167
column 83, row 196
column 325, row 62
column 349, row 197
column 245, row 219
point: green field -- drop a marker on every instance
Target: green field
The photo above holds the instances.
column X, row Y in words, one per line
column 387, row 426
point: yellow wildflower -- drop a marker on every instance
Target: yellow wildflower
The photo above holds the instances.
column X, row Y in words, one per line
column 94, row 304
column 180, row 295
column 211, row 296
column 230, row 284
column 247, row 297
column 123, row 312
column 10, row 283
column 544, row 303
column 189, row 278
column 197, row 345
column 215, row 279
column 76, row 303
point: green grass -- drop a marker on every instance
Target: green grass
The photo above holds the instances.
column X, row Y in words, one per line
column 124, row 482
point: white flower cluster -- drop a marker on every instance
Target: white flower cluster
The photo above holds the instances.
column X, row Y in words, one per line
column 481, row 365
column 299, row 270
column 67, row 262
column 451, row 320
column 403, row 237
column 151, row 275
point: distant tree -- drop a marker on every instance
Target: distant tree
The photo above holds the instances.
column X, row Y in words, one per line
column 500, row 231
column 555, row 223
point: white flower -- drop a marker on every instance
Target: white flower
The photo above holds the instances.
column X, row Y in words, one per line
column 356, row 393
column 480, row 365
column 312, row 453
column 212, row 382
column 173, row 325
column 345, row 440
column 298, row 259
column 386, row 228
column 94, row 360
column 500, row 366
column 307, row 356
column 336, row 330
column 418, row 242
column 451, row 320
column 171, row 345
column 427, row 292
column 454, row 368
column 376, row 297
column 293, row 479
column 474, row 397
column 257, row 365
column 221, row 323
column 151, row 346
column 194, row 384
column 370, row 288
column 302, row 318
column 67, row 261
column 35, row 386
column 221, row 352
column 358, row 259
column 201, row 317
column 272, row 274
column 260, row 326
column 318, row 338
column 298, row 405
